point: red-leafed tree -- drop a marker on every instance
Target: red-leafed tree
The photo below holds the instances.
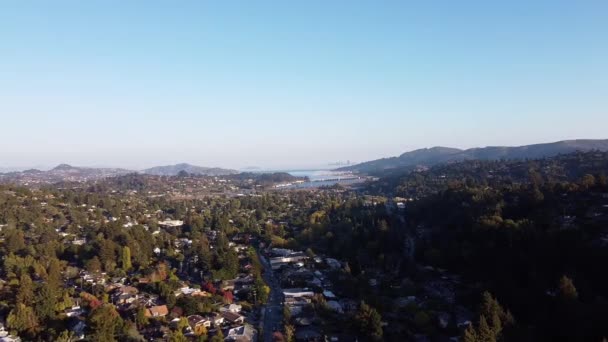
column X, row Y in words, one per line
column 91, row 300
column 208, row 286
column 228, row 297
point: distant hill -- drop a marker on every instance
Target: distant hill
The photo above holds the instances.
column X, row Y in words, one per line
column 268, row 178
column 436, row 155
column 60, row 173
column 173, row 170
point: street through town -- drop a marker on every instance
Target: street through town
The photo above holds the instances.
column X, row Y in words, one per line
column 272, row 312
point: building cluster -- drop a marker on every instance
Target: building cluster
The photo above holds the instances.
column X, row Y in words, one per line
column 305, row 285
column 229, row 308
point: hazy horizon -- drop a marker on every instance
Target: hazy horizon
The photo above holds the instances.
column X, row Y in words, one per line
column 283, row 85
column 303, row 166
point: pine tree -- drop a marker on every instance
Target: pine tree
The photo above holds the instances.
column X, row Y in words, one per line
column 141, row 319
column 567, row 291
column 15, row 241
column 54, row 274
column 23, row 319
column 105, row 323
column 290, row 332
column 204, row 254
column 496, row 324
column 370, row 322
column 470, row 335
column 496, row 317
column 508, row 320
column 25, row 294
column 93, row 265
column 126, row 258
column 485, row 333
column 178, row 336
column 219, row 336
column 46, row 302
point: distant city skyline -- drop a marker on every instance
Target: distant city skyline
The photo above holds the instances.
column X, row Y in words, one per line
column 284, row 85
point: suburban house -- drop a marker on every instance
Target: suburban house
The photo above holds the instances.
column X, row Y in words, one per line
column 198, row 324
column 157, row 311
column 216, row 319
column 231, row 308
column 244, row 333
column 233, row 317
column 124, row 295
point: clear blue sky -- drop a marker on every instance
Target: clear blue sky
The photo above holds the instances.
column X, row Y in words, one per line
column 293, row 83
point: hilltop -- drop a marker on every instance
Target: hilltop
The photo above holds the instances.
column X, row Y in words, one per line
column 436, row 155
column 173, row 170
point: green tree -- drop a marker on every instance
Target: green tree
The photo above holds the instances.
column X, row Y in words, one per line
column 470, row 335
column 25, row 293
column 66, row 336
column 178, row 336
column 493, row 321
column 141, row 319
column 126, row 258
column 23, row 319
column 46, row 302
column 54, row 275
column 566, row 290
column 485, row 333
column 105, row 323
column 262, row 290
column 218, row 337
column 182, row 324
column 369, row 322
column 290, row 333
column 204, row 253
column 93, row 265
column 15, row 241
column 286, row 314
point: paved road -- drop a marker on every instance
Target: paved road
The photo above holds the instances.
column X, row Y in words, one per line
column 273, row 310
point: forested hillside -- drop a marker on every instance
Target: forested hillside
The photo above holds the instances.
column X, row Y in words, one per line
column 428, row 157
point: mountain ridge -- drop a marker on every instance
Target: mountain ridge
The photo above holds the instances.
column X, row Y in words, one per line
column 66, row 172
column 173, row 170
column 439, row 154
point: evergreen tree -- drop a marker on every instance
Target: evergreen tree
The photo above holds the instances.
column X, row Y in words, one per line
column 23, row 319
column 178, row 336
column 204, row 253
column 218, row 337
column 369, row 322
column 25, row 293
column 470, row 335
column 485, row 333
column 126, row 258
column 105, row 323
column 54, row 274
column 94, row 265
column 496, row 324
column 141, row 319
column 46, row 302
column 567, row 291
column 15, row 241
column 493, row 320
column 66, row 336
